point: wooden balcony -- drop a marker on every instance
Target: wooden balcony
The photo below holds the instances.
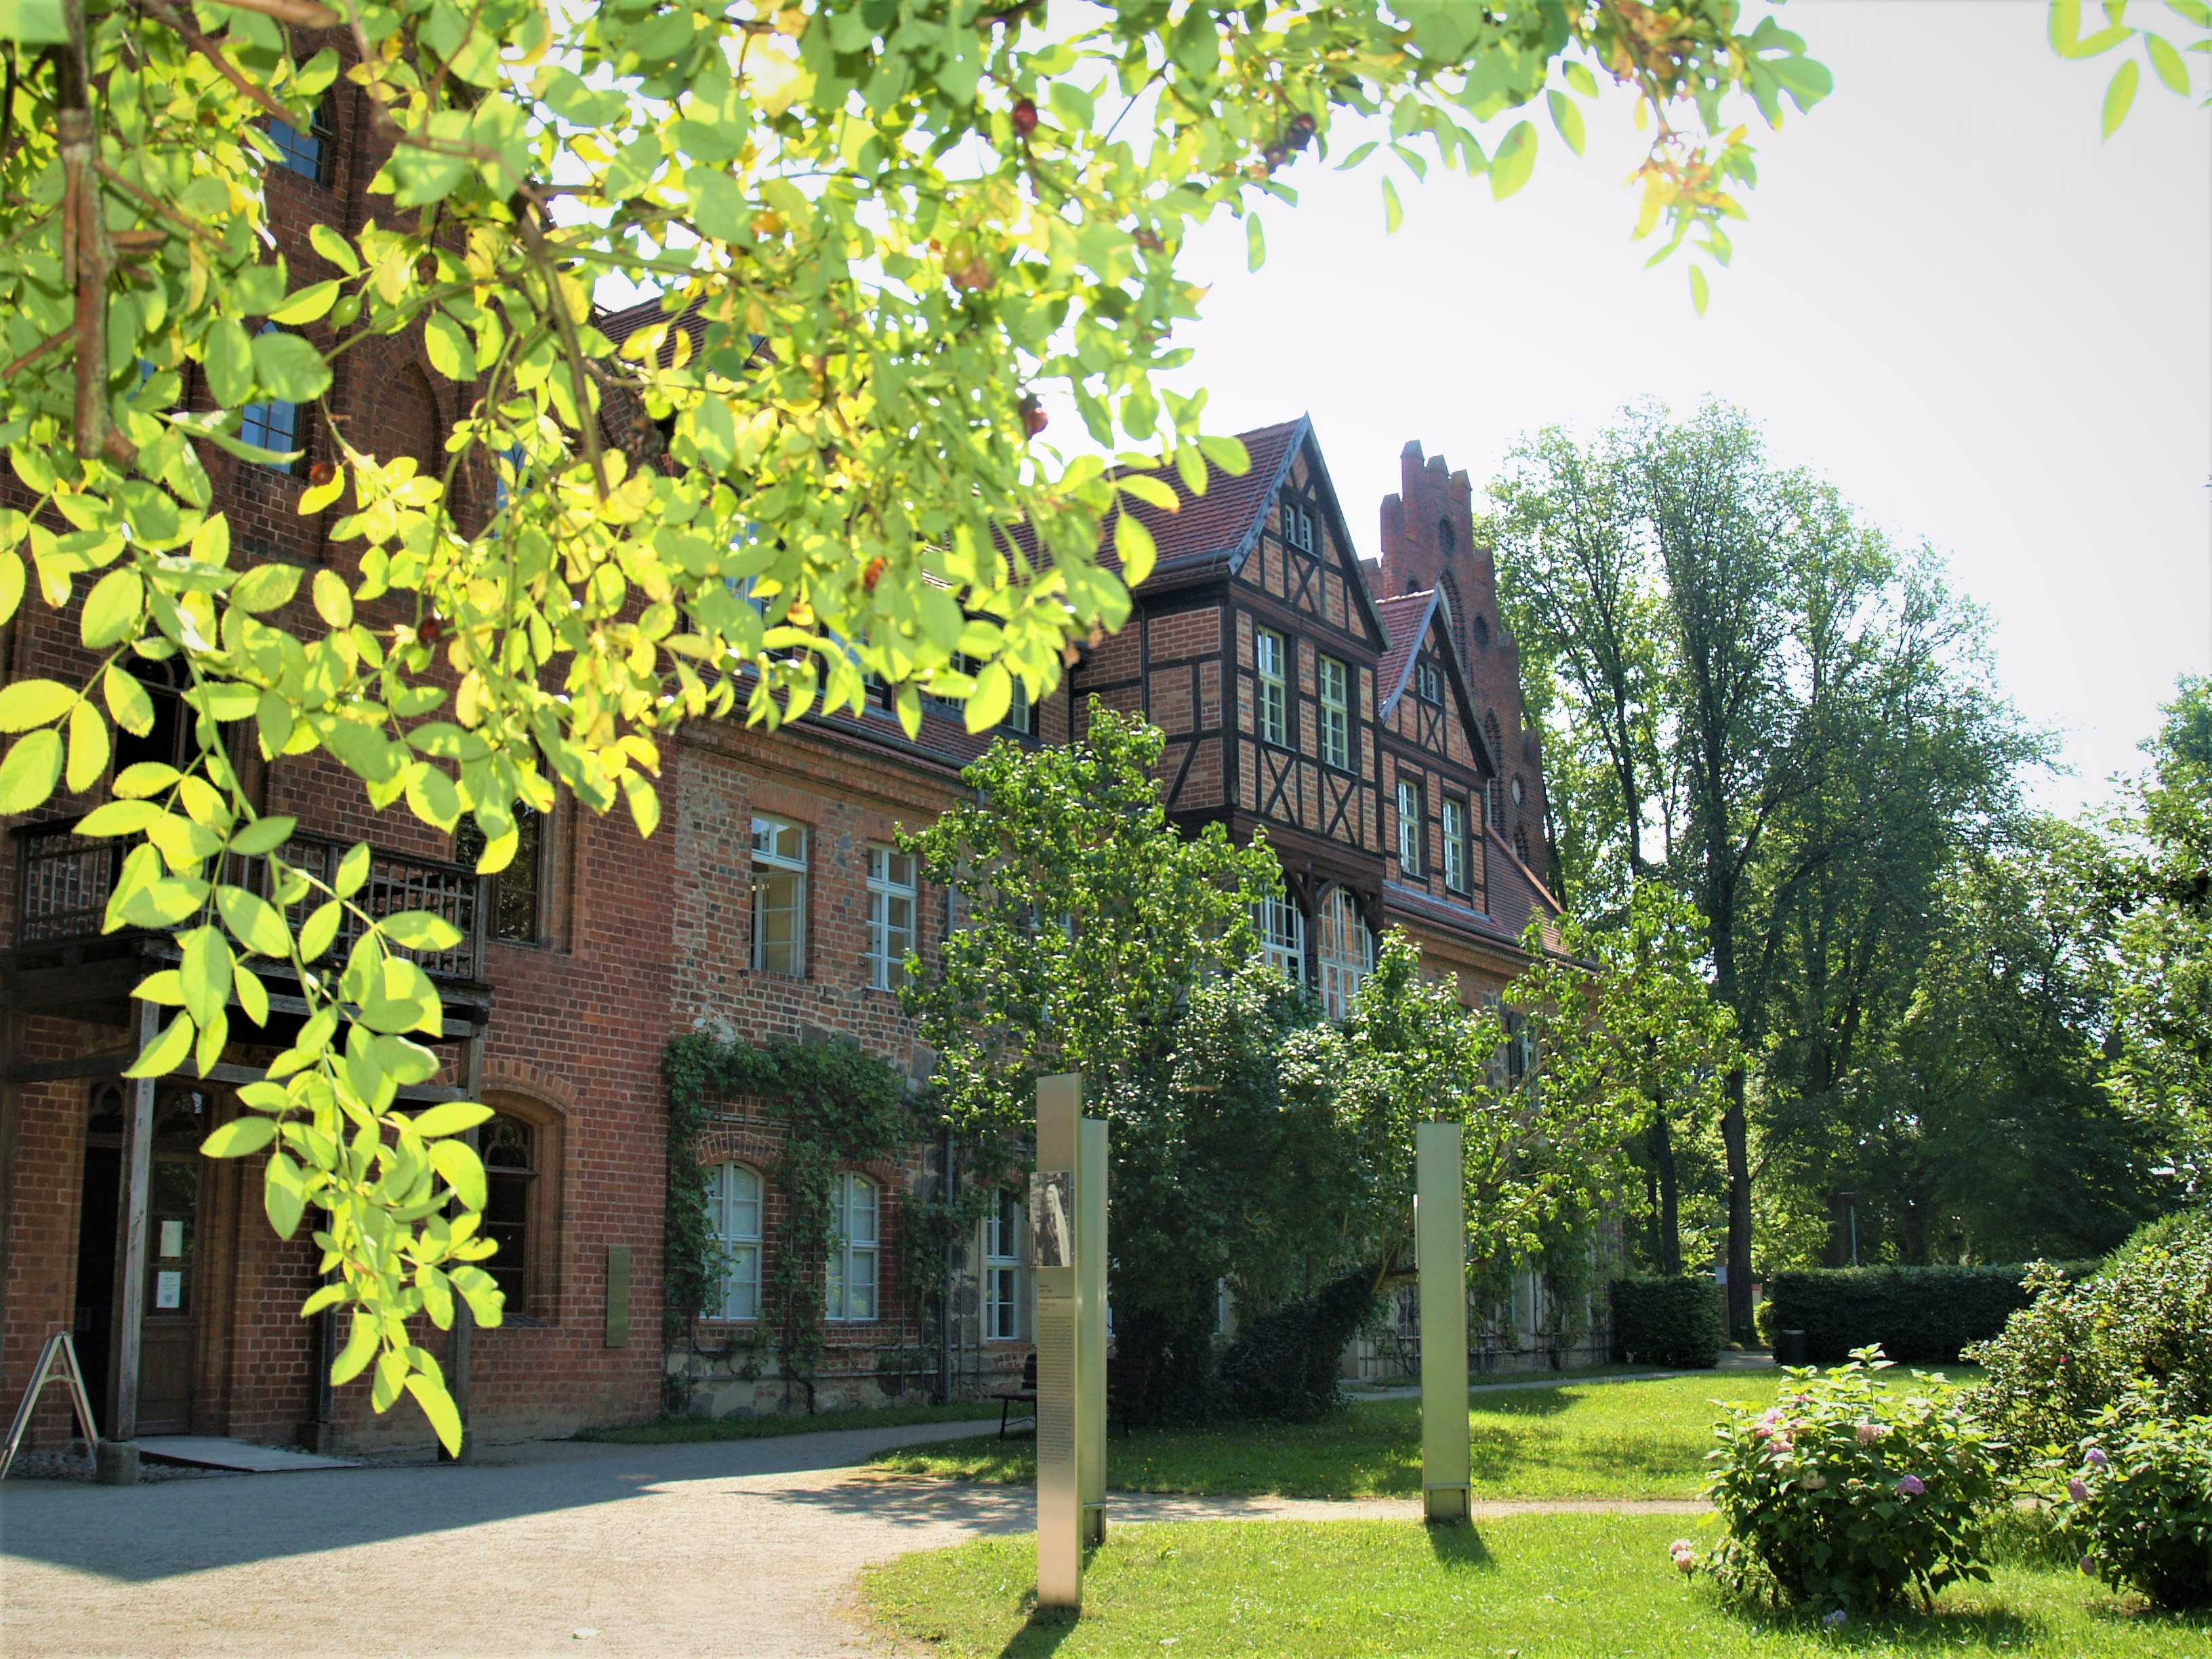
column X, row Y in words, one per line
column 59, row 956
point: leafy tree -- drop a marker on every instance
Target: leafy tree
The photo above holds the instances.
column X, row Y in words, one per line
column 897, row 226
column 2163, row 993
column 1811, row 712
column 2165, row 58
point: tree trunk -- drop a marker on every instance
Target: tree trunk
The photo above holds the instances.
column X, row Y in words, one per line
column 1734, row 1140
column 1661, row 1145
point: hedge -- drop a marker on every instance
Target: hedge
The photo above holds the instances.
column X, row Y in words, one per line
column 1920, row 1315
column 1679, row 1323
column 1282, row 1367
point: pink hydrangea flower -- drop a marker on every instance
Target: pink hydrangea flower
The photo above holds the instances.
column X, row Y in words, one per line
column 1868, row 1433
column 2077, row 1491
column 2096, row 1458
column 1911, row 1485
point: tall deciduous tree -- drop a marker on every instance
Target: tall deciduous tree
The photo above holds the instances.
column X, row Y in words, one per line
column 1814, row 732
column 897, row 228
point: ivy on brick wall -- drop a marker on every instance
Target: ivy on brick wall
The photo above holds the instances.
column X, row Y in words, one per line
column 838, row 1106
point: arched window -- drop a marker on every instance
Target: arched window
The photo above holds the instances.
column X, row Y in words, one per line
column 1347, row 955
column 1282, row 929
column 852, row 1277
column 734, row 1203
column 506, row 1143
column 1481, row 630
column 1447, row 540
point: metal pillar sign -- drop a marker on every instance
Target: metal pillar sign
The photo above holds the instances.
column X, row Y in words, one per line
column 1067, row 1255
column 1440, row 1254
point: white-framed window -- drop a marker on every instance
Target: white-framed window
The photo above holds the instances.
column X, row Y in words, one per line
column 734, row 1202
column 1428, row 682
column 1002, row 1270
column 1454, row 815
column 1271, row 658
column 778, row 896
column 852, row 1277
column 1298, row 526
column 890, row 916
column 1410, row 827
column 1282, row 929
column 1347, row 953
column 1335, row 686
column 1021, row 713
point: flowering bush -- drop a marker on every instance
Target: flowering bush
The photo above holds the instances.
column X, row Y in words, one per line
column 1847, row 1494
column 2142, row 1503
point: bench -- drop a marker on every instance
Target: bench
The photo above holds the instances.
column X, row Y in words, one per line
column 1026, row 1393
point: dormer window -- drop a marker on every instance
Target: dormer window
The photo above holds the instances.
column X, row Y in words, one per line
column 1297, row 526
column 1428, row 681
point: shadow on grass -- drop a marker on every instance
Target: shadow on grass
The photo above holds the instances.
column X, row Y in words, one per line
column 1045, row 1629
column 1902, row 1629
column 1458, row 1547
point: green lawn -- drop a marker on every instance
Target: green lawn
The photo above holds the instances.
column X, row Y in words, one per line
column 1613, row 1440
column 670, row 1430
column 1537, row 1586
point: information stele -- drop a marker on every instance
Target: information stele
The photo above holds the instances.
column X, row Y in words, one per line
column 1440, row 1255
column 1067, row 1253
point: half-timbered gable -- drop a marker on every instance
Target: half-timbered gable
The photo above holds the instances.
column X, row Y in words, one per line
column 1435, row 763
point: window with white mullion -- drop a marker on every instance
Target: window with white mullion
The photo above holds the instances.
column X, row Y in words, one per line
column 1410, row 829
column 891, row 901
column 1003, row 1300
column 735, row 1201
column 852, row 1280
column 1346, row 955
column 1455, row 836
column 778, row 896
column 1282, row 929
column 1271, row 660
column 1334, row 683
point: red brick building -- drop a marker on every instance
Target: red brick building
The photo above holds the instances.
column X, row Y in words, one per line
column 1366, row 716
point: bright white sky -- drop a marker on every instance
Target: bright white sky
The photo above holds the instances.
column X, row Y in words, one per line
column 1990, row 330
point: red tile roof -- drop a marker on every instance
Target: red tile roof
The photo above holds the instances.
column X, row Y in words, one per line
column 1406, row 621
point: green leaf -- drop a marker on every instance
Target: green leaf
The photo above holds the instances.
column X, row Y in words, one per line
column 205, row 972
column 360, row 1349
column 421, row 930
column 1578, row 77
column 290, row 367
column 87, row 748
column 644, row 803
column 450, row 1117
column 111, row 610
column 1698, row 291
column 457, row 1162
column 438, row 1405
column 33, row 22
column 11, row 584
column 253, row 921
column 166, row 1051
column 284, row 1197
column 2120, row 94
column 320, row 929
column 240, row 1137
column 1255, row 243
column 1136, row 545
column 352, row 869
column 335, row 248
column 118, row 817
column 263, row 836
column 34, row 702
column 28, row 775
column 133, row 709
column 251, row 994
column 446, row 344
column 1567, row 118
column 482, row 1293
column 229, row 363
column 266, row 587
column 2168, row 63
column 144, row 778
column 306, row 305
column 1393, row 210
column 1515, row 161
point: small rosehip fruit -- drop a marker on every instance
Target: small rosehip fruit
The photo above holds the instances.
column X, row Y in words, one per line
column 321, row 473
column 429, row 628
column 874, row 573
column 1034, row 419
column 346, row 311
column 426, row 268
column 1302, row 131
column 1025, row 117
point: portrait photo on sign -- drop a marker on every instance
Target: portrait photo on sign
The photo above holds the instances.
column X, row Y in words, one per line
column 1051, row 1218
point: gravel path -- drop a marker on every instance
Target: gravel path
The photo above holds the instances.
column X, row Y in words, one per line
column 728, row 1548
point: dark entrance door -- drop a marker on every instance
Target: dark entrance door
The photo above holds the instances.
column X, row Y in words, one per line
column 168, row 1332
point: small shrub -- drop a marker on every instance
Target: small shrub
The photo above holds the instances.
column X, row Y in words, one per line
column 1849, row 1495
column 1282, row 1367
column 1679, row 1323
column 2143, row 1320
column 1917, row 1315
column 2142, row 1502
